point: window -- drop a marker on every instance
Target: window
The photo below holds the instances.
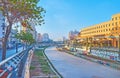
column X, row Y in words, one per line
column 3, row 28
column 3, row 33
column 3, row 19
column 116, row 18
column 112, row 24
column 116, row 23
column 112, row 19
column 112, row 28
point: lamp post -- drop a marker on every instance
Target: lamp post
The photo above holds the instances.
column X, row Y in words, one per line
column 16, row 39
column 119, row 42
column 75, row 44
column 86, row 44
column 16, row 47
column 90, row 44
column 119, row 46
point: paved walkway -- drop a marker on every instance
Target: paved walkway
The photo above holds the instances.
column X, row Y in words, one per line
column 73, row 67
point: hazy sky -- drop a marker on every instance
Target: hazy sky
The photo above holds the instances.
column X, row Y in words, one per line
column 63, row 16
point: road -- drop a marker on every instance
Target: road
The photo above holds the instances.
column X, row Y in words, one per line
column 10, row 52
column 70, row 66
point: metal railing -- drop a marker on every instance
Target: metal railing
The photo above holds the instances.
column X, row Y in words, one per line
column 11, row 67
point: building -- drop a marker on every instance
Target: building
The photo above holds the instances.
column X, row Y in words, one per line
column 64, row 39
column 2, row 28
column 45, row 37
column 39, row 37
column 12, row 40
column 73, row 34
column 34, row 32
column 104, row 36
column 70, row 44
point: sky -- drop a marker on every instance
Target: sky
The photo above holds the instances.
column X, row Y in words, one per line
column 63, row 16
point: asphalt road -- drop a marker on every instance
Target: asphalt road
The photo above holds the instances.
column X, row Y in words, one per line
column 10, row 52
column 70, row 66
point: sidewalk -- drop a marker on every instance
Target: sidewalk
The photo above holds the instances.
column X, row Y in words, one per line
column 102, row 61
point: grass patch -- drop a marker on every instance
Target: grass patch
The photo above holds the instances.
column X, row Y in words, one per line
column 43, row 47
column 46, row 69
column 32, row 67
column 43, row 62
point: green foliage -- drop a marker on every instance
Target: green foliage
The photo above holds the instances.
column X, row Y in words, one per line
column 32, row 67
column 26, row 37
column 19, row 10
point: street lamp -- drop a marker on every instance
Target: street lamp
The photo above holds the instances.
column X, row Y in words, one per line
column 16, row 44
column 16, row 38
column 119, row 46
column 90, row 44
column 119, row 42
column 16, row 47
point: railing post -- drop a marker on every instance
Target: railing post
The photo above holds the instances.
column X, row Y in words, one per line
column 16, row 47
column 20, row 68
column 22, row 64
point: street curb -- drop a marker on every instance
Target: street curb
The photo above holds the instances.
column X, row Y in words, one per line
column 27, row 64
column 93, row 61
column 52, row 66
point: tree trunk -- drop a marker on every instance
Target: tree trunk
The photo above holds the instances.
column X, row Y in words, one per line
column 5, row 39
column 4, row 42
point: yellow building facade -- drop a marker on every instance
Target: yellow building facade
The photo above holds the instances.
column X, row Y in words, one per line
column 103, row 34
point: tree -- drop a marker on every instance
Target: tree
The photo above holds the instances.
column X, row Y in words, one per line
column 19, row 11
column 75, row 43
column 26, row 37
